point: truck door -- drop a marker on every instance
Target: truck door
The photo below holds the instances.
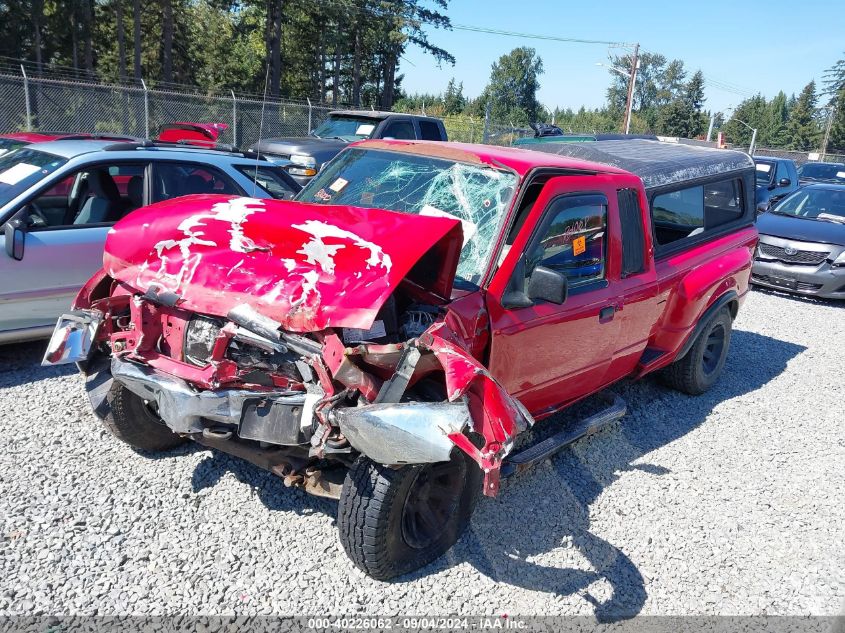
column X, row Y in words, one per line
column 547, row 354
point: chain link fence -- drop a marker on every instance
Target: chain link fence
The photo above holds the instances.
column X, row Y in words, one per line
column 800, row 157
column 38, row 103
column 70, row 105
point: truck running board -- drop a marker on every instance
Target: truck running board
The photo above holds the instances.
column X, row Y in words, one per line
column 536, row 453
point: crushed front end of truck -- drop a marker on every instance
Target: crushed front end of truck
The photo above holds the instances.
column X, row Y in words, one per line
column 299, row 337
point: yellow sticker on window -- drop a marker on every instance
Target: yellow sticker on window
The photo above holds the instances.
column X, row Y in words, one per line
column 579, row 245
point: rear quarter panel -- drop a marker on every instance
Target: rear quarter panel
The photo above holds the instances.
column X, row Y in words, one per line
column 691, row 281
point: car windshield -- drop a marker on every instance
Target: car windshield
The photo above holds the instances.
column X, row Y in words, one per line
column 22, row 168
column 822, row 171
column 348, row 128
column 764, row 173
column 9, row 144
column 815, row 203
column 477, row 195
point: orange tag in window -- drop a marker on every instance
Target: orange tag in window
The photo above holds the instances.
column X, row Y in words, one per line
column 579, row 245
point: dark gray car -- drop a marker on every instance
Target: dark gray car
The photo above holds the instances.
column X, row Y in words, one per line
column 802, row 243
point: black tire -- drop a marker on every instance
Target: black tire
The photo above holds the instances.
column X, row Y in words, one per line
column 699, row 370
column 130, row 420
column 381, row 525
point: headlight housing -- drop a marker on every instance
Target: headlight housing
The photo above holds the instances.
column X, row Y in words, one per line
column 302, row 165
column 840, row 259
column 200, row 336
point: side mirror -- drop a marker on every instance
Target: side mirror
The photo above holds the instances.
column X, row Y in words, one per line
column 784, row 182
column 548, row 285
column 15, row 239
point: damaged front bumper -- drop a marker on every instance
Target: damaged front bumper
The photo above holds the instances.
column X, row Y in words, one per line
column 277, row 417
column 390, row 433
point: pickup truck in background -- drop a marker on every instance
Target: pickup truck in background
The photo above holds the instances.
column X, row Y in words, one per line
column 307, row 154
column 386, row 342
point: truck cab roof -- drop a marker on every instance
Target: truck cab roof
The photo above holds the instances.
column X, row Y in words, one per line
column 657, row 163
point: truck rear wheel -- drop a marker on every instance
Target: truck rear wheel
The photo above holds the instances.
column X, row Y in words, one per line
column 395, row 520
column 699, row 370
column 131, row 420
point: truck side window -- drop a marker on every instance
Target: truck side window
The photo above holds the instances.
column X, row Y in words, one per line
column 722, row 203
column 573, row 239
column 678, row 214
column 429, row 131
column 689, row 212
column 633, row 237
column 403, row 130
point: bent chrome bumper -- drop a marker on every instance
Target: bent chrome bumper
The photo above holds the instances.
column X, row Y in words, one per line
column 405, row 432
column 277, row 417
column 73, row 337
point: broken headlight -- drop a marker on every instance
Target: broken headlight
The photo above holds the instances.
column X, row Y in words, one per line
column 199, row 339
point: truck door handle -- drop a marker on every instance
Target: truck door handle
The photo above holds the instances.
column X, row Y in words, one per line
column 606, row 313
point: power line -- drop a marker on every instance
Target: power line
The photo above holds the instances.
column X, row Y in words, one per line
column 534, row 36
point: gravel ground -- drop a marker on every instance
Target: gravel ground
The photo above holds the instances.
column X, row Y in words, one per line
column 728, row 503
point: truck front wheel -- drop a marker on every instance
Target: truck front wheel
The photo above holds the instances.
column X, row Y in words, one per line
column 395, row 520
column 701, row 367
column 131, row 420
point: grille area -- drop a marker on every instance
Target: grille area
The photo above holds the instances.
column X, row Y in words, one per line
column 800, row 257
column 799, row 285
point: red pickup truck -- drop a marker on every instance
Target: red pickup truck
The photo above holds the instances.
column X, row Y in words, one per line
column 389, row 358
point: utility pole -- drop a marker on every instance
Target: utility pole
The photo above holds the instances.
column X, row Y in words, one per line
column 632, row 80
column 832, row 110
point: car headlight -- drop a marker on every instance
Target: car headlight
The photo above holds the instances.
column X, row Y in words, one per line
column 840, row 259
column 302, row 165
column 200, row 336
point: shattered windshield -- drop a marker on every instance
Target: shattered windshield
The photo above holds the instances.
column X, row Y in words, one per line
column 477, row 195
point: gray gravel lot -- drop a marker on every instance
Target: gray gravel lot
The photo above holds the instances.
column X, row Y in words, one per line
column 729, row 503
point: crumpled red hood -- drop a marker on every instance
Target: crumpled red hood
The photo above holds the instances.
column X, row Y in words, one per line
column 307, row 266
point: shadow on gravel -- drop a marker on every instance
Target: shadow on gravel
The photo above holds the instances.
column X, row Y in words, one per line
column 20, row 363
column 549, row 509
column 269, row 488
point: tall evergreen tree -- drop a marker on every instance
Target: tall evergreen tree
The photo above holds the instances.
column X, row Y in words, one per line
column 453, row 100
column 773, row 132
column 514, row 81
column 802, row 128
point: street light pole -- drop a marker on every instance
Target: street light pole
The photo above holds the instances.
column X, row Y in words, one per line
column 632, row 79
column 832, row 113
column 753, row 133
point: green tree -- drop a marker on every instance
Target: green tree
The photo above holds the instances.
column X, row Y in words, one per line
column 454, row 101
column 514, row 81
column 683, row 117
column 773, row 132
column 836, row 142
column 751, row 111
column 802, row 128
column 834, row 80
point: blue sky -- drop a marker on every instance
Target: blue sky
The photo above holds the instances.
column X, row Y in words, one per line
column 760, row 46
